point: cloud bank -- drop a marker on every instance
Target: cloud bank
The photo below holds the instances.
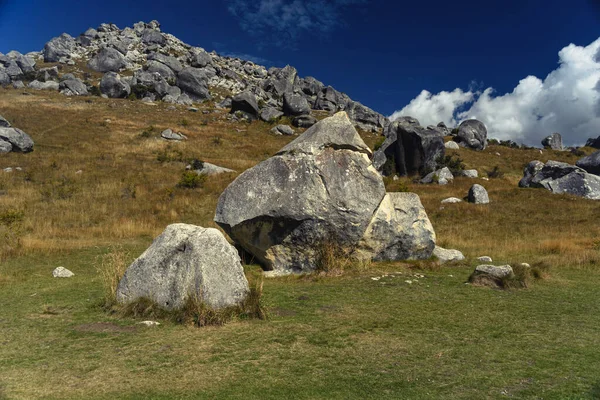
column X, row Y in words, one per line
column 566, row 101
column 281, row 22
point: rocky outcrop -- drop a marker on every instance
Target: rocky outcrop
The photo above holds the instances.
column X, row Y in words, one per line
column 186, row 260
column 472, row 134
column 559, row 177
column 322, row 190
column 553, row 142
column 590, row 163
column 408, row 149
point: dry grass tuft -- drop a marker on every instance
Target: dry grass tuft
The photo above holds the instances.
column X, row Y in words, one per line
column 335, row 260
column 111, row 268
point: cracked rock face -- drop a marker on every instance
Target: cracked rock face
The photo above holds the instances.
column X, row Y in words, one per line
column 321, row 189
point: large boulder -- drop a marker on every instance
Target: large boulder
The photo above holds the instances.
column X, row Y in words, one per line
column 399, row 230
column 408, row 149
column 58, row 48
column 295, row 104
column 590, row 163
column 553, row 142
column 113, row 86
column 73, row 87
column 280, row 81
column 19, row 140
column 107, row 60
column 595, row 143
column 365, row 118
column 194, row 82
column 245, row 102
column 48, row 85
column 171, row 62
column 559, row 177
column 161, row 69
column 200, row 59
column 472, row 134
column 152, row 36
column 320, row 190
column 25, row 63
column 186, row 260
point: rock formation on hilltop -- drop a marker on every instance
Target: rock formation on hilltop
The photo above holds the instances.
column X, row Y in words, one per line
column 164, row 68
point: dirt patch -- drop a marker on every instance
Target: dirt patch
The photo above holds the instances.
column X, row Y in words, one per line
column 105, row 327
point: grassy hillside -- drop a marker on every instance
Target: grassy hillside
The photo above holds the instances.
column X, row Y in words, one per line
column 101, row 180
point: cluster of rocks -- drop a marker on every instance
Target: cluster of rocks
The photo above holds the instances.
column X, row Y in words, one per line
column 409, row 148
column 165, row 68
column 559, row 177
column 13, row 139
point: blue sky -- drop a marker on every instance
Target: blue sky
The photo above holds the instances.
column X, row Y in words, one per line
column 381, row 53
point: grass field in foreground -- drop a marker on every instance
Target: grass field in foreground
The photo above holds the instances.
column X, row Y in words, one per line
column 328, row 337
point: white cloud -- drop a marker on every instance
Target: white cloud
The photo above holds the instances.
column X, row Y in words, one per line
column 282, row 21
column 566, row 101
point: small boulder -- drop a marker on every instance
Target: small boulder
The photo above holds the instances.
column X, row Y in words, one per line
column 170, row 135
column 472, row 134
column 19, row 140
column 491, row 275
column 212, row 169
column 470, row 173
column 107, row 60
column 282, row 130
column 270, row 114
column 48, row 85
column 186, row 260
column 295, row 105
column 553, row 142
column 304, row 121
column 4, row 123
column 73, row 87
column 478, row 195
column 447, row 255
column 246, row 103
column 62, row 272
column 484, row 259
column 451, row 145
column 441, row 177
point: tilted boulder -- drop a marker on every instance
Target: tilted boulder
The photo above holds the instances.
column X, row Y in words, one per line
column 171, row 62
column 245, row 102
column 186, row 260
column 194, row 82
column 553, row 142
column 319, row 190
column 113, row 86
column 160, row 69
column 152, row 36
column 472, row 134
column 107, row 60
column 19, row 140
column 590, row 163
column 61, row 47
column 408, row 149
column 559, row 177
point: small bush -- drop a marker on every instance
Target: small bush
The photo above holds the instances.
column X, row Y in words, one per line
column 191, row 180
column 495, row 173
column 196, row 164
column 138, row 92
column 11, row 232
column 95, row 91
column 147, row 133
column 453, row 162
column 169, row 155
column 217, row 140
column 184, row 122
column 334, row 259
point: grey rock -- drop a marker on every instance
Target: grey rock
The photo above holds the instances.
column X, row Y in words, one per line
column 441, row 177
column 408, row 149
column 62, row 272
column 201, row 59
column 452, row 145
column 451, row 200
column 162, row 88
column 186, row 260
column 295, row 105
column 447, row 255
column 590, row 163
column 113, row 86
column 485, row 259
column 321, row 188
column 559, row 177
column 212, row 169
column 500, row 272
column 472, row 134
column 49, row 85
column 280, row 81
column 478, row 195
column 152, row 36
column 184, row 100
column 310, row 86
column 25, row 63
column 365, row 118
column 107, row 60
column 13, row 70
column 20, row 141
column 4, row 122
column 59, row 47
column 4, row 78
column 170, row 135
column 169, row 61
column 553, row 142
column 47, row 74
column 161, row 69
column 16, row 84
column 470, row 173
column 194, row 82
column 5, row 147
column 399, row 230
column 246, row 103
column 282, row 130
column 226, row 103
column 595, row 143
column 304, row 121
column 327, row 99
column 73, row 87
column 270, row 114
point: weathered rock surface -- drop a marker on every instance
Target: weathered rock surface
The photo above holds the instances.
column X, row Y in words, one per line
column 470, row 173
column 295, row 105
column 408, row 149
column 590, row 163
column 61, row 47
column 107, row 60
column 451, row 145
column 485, row 259
column 4, row 123
column 595, row 143
column 194, row 82
column 559, row 177
column 62, row 272
column 501, row 271
column 5, row 147
column 186, row 260
column 282, row 130
column 19, row 140
column 245, row 102
column 472, row 134
column 269, row 114
column 441, row 177
column 478, row 195
column 304, row 121
column 321, row 189
column 48, row 85
column 447, row 255
column 553, row 142
column 170, row 135
column 212, row 169
column 73, row 87
column 113, row 86
column 451, row 200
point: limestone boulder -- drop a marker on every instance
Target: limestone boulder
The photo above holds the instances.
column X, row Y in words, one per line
column 590, row 163
column 186, row 260
column 19, row 140
column 472, row 134
column 559, row 177
column 107, row 60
